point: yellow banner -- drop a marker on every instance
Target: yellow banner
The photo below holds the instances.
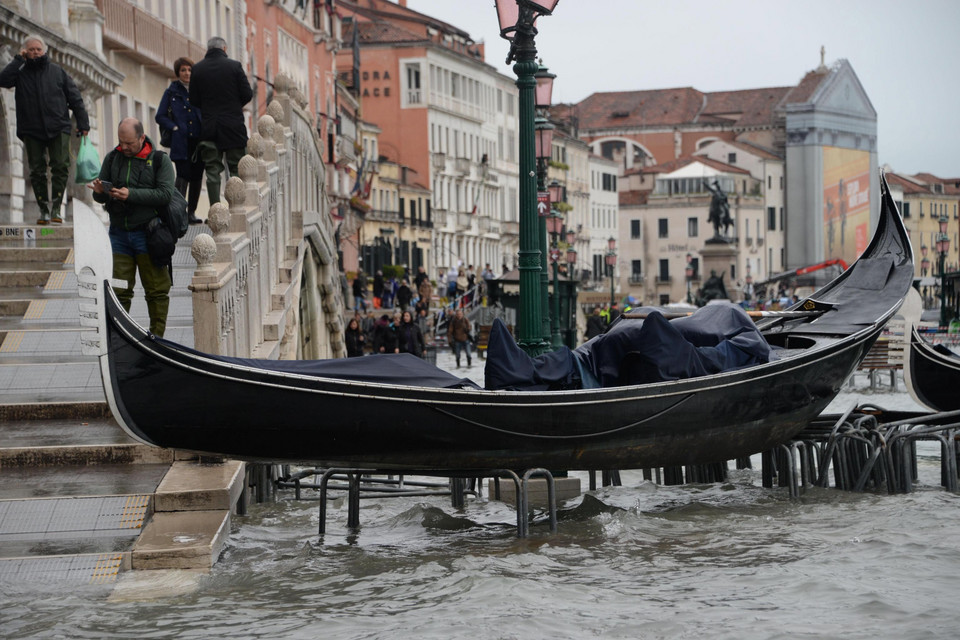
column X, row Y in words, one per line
column 846, row 203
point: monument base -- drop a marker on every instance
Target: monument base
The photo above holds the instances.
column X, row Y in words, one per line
column 720, row 256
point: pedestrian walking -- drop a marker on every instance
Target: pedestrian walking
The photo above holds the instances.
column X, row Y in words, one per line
column 140, row 182
column 45, row 95
column 182, row 119
column 458, row 336
column 219, row 88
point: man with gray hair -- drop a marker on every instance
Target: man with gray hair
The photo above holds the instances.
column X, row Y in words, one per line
column 219, row 88
column 43, row 94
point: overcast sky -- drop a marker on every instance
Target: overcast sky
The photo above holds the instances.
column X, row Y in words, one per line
column 906, row 55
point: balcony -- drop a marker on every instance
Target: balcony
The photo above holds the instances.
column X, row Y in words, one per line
column 662, row 279
column 379, row 215
column 510, row 228
column 463, row 166
column 439, row 161
column 439, row 218
column 133, row 31
column 464, row 221
column 636, row 278
column 413, row 96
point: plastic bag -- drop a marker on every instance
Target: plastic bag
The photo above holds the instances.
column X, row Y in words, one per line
column 88, row 162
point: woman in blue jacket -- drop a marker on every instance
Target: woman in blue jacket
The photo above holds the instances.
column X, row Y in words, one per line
column 177, row 114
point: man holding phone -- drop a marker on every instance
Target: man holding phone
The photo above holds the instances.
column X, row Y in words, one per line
column 134, row 184
column 45, row 95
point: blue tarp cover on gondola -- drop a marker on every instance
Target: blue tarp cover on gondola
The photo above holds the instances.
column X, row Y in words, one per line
column 393, row 368
column 718, row 337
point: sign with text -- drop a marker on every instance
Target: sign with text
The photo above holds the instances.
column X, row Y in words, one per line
column 543, row 203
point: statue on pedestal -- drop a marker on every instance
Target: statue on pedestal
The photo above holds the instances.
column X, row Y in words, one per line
column 719, row 212
column 713, row 289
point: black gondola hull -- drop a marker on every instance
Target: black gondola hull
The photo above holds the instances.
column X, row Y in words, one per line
column 934, row 377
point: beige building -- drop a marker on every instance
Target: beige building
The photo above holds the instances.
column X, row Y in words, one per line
column 664, row 224
column 922, row 199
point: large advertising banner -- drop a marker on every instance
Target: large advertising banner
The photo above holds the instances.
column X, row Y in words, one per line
column 846, row 203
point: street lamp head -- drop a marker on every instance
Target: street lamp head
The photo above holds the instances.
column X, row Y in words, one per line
column 519, row 16
column 612, row 244
column 923, row 251
column 943, row 223
column 556, row 191
column 571, row 255
column 554, row 223
column 571, row 238
column 543, row 138
column 544, row 93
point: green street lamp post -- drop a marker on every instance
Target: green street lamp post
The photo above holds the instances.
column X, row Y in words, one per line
column 554, row 225
column 516, row 19
column 544, row 144
column 943, row 246
column 612, row 266
column 571, row 265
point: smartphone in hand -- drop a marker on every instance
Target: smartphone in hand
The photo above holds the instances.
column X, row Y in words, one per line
column 106, row 186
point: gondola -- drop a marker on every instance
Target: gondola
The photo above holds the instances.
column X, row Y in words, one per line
column 932, row 374
column 168, row 395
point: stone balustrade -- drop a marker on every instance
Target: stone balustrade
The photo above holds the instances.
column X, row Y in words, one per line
column 267, row 283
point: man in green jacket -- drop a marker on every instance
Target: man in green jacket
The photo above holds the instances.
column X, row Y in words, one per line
column 134, row 184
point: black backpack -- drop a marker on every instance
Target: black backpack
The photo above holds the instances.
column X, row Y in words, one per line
column 170, row 225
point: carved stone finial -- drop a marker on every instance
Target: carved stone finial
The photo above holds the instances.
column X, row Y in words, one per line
column 265, row 126
column 255, row 146
column 235, row 192
column 218, row 218
column 204, row 250
column 275, row 111
column 282, row 83
column 248, row 168
column 297, row 96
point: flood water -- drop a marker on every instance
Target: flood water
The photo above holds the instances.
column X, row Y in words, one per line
column 730, row 560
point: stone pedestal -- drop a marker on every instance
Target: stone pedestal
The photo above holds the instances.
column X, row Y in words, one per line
column 721, row 257
column 565, row 488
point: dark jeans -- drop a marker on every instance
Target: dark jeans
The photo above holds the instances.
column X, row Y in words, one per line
column 459, row 345
column 190, row 175
column 58, row 151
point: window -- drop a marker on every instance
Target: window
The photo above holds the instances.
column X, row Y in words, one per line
column 636, row 271
column 664, row 299
column 921, row 208
column 413, row 83
column 500, row 100
column 769, row 182
column 635, row 229
column 695, row 267
column 906, row 209
column 731, row 158
column 664, row 270
column 693, row 227
column 663, row 228
column 781, row 183
column 781, row 218
column 771, row 219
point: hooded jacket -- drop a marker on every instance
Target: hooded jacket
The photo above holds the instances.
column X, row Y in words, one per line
column 43, row 93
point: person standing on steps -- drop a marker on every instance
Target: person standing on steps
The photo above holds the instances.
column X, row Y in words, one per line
column 134, row 184
column 219, row 88
column 183, row 119
column 45, row 94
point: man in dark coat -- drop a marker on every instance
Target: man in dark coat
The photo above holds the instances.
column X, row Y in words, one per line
column 595, row 324
column 43, row 94
column 219, row 88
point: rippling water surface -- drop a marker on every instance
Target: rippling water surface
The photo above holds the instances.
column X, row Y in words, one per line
column 731, row 560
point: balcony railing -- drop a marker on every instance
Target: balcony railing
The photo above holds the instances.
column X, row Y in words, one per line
column 636, row 278
column 510, row 228
column 132, row 30
column 463, row 165
column 413, row 96
column 439, row 161
column 662, row 279
column 439, row 218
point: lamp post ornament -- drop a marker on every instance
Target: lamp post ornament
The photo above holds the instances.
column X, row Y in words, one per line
column 516, row 25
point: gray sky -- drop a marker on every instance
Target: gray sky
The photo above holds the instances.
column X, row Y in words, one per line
column 905, row 53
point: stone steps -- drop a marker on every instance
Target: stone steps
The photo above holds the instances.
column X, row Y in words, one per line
column 80, row 501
